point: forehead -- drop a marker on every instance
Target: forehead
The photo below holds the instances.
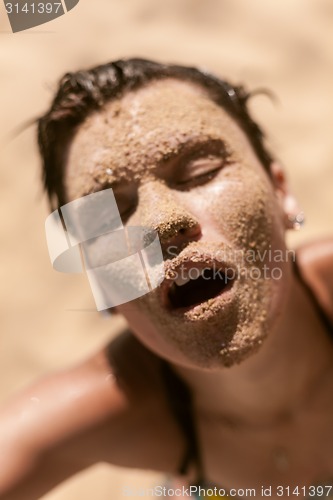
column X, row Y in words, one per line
column 131, row 135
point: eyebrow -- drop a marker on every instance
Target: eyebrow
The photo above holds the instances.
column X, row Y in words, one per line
column 189, row 149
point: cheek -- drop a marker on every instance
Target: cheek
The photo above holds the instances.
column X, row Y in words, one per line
column 245, row 210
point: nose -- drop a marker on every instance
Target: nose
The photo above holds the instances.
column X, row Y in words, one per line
column 162, row 211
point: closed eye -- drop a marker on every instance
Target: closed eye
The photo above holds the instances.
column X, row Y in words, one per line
column 126, row 206
column 125, row 215
column 200, row 171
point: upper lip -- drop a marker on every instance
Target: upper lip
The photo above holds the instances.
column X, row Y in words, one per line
column 187, row 260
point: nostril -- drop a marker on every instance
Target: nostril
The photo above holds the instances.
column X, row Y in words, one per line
column 193, row 231
column 187, row 229
column 179, row 233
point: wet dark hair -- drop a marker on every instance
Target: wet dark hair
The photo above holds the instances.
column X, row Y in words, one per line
column 82, row 92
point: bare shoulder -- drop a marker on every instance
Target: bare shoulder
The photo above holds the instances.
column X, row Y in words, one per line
column 316, row 265
column 116, row 386
column 110, row 408
column 131, row 423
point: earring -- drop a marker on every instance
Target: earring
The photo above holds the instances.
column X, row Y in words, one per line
column 297, row 221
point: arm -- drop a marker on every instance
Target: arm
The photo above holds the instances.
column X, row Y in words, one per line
column 111, row 408
column 51, row 430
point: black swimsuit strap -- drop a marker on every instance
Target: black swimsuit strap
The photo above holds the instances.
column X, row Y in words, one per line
column 181, row 405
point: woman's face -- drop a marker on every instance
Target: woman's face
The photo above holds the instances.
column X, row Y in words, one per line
column 178, row 163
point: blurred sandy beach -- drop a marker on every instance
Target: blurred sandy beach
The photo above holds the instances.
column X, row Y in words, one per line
column 48, row 320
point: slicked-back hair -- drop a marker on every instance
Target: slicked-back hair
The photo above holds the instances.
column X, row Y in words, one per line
column 83, row 92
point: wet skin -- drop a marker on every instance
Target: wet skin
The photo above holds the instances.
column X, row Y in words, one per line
column 179, row 164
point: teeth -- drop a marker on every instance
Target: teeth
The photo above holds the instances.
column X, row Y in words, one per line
column 181, row 280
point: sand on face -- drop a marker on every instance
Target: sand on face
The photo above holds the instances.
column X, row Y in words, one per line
column 48, row 320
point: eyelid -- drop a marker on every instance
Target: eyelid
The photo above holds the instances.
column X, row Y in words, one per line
column 212, row 166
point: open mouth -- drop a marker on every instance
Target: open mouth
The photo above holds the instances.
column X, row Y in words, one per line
column 195, row 285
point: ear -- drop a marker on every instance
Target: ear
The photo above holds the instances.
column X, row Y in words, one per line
column 294, row 216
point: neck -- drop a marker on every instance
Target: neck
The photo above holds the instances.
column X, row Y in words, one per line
column 278, row 381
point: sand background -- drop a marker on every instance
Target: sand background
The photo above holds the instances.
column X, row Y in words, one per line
column 286, row 46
